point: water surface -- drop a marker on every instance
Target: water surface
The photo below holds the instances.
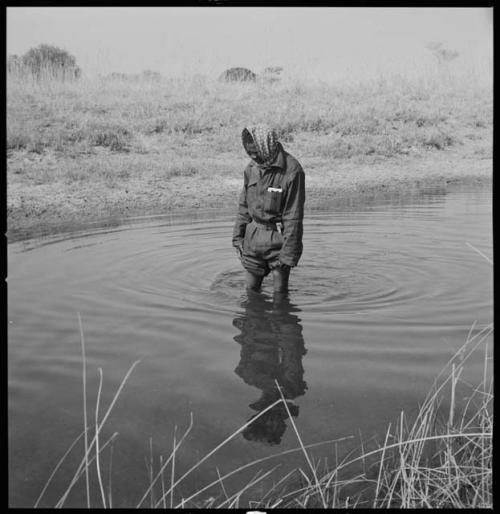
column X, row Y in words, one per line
column 385, row 293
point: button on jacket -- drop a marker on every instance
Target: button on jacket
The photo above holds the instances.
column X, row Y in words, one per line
column 284, row 202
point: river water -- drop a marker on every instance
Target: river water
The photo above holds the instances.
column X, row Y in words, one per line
column 385, row 293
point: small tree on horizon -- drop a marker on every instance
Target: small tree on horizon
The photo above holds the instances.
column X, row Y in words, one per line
column 46, row 60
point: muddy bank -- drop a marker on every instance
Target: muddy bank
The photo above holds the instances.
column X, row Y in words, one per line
column 36, row 210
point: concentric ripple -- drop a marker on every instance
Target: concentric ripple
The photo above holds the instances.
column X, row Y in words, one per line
column 377, row 260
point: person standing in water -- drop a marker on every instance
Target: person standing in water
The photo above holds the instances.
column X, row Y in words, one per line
column 268, row 230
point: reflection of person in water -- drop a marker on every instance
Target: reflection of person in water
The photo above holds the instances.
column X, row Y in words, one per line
column 272, row 347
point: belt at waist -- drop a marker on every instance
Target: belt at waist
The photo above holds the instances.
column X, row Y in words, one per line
column 269, row 226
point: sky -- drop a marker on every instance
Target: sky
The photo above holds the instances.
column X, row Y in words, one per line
column 313, row 41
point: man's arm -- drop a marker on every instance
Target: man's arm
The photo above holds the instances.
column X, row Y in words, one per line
column 292, row 216
column 242, row 217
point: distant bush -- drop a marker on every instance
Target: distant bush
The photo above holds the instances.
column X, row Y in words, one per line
column 238, row 75
column 151, row 75
column 273, row 69
column 443, row 55
column 115, row 75
column 272, row 74
column 45, row 61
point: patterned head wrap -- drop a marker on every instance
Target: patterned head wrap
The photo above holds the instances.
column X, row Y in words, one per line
column 266, row 141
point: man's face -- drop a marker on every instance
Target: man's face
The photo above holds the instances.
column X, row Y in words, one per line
column 253, row 152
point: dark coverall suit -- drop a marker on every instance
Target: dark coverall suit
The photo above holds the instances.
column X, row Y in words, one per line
column 268, row 197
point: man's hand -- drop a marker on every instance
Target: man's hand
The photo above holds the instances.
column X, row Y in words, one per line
column 239, row 250
column 280, row 265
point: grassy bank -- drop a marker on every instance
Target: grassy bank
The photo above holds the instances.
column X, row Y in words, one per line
column 440, row 458
column 96, row 148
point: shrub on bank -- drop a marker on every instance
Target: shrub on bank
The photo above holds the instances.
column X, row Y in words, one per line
column 45, row 62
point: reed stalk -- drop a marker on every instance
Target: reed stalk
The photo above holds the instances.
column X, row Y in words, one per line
column 98, row 467
column 85, row 425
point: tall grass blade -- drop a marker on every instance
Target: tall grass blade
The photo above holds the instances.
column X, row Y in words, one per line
column 101, row 487
column 221, row 482
column 259, row 461
column 84, row 462
column 110, row 501
column 85, row 425
column 81, row 471
column 159, row 474
column 219, row 446
column 58, row 465
column 480, row 252
column 377, row 490
column 302, row 446
column 162, row 483
column 172, row 468
column 452, row 401
column 247, row 486
column 151, row 471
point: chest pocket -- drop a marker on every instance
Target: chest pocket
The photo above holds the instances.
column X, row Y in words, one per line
column 272, row 201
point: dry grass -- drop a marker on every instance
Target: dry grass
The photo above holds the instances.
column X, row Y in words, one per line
column 190, row 119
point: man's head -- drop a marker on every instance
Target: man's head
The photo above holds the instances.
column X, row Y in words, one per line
column 270, row 426
column 261, row 144
column 253, row 152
